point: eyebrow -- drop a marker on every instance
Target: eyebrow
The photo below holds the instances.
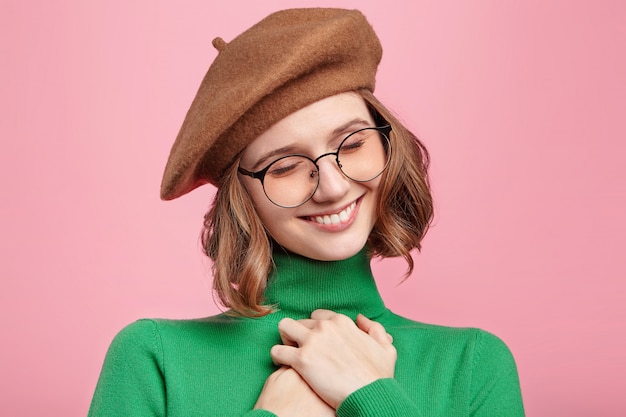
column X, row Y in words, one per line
column 290, row 149
column 351, row 124
column 280, row 151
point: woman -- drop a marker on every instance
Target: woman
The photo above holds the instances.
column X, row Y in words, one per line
column 314, row 177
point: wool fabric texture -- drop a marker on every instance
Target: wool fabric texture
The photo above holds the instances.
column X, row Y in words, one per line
column 217, row 366
column 290, row 59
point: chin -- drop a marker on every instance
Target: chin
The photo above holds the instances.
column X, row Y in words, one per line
column 330, row 253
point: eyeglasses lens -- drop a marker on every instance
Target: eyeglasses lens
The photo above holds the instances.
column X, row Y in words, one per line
column 362, row 156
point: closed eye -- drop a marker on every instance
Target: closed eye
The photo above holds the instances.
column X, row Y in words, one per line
column 288, row 166
column 353, row 146
column 282, row 170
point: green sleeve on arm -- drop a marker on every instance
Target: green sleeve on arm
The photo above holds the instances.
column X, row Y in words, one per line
column 131, row 382
column 259, row 413
column 383, row 397
column 495, row 389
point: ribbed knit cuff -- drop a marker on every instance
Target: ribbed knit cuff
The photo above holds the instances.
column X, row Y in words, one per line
column 259, row 413
column 383, row 397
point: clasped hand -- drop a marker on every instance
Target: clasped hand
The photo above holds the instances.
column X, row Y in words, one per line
column 324, row 359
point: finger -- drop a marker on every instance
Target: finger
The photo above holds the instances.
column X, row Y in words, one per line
column 308, row 323
column 374, row 329
column 283, row 355
column 291, row 332
column 321, row 314
column 286, row 340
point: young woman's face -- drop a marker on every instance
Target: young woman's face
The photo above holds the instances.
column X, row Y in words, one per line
column 336, row 222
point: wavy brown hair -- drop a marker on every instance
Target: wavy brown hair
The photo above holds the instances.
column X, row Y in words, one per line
column 240, row 247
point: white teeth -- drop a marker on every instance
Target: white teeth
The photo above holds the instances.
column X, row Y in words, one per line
column 335, row 218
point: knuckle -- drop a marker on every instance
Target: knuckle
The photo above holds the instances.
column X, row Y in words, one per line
column 342, row 320
column 304, row 359
column 301, row 362
column 324, row 325
column 376, row 325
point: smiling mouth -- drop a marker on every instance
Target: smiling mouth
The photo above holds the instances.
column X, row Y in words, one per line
column 335, row 218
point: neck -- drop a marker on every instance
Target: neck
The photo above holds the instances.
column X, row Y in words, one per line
column 300, row 285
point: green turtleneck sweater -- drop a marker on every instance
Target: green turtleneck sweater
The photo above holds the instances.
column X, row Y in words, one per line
column 217, row 366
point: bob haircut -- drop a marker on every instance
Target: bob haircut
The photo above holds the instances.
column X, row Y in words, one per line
column 241, row 249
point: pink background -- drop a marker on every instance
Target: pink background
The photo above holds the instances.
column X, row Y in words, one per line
column 522, row 105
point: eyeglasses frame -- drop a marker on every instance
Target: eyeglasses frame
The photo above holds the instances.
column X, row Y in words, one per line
column 260, row 175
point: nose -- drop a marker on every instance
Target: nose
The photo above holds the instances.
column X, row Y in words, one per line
column 333, row 185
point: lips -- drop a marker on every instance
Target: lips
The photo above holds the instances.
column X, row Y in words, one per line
column 334, row 218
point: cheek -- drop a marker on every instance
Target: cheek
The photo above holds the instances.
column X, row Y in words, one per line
column 275, row 223
column 255, row 191
column 266, row 210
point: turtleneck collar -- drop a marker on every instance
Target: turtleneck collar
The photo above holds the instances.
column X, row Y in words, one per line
column 299, row 285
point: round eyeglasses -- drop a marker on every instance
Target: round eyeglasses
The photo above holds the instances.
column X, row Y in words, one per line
column 291, row 180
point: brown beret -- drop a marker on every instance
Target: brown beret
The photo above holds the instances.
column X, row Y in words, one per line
column 290, row 59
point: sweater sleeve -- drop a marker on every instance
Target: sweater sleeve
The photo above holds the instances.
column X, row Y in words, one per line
column 132, row 381
column 494, row 389
column 383, row 397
